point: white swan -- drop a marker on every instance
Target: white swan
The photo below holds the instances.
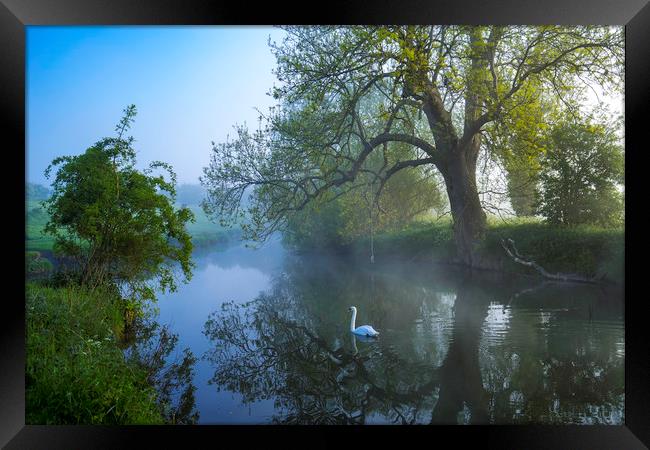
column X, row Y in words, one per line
column 363, row 330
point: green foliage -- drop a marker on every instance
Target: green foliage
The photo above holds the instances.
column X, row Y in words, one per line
column 518, row 141
column 203, row 231
column 351, row 98
column 75, row 373
column 407, row 196
column 521, row 190
column 334, row 221
column 36, row 264
column 581, row 172
column 319, row 225
column 117, row 222
column 589, row 250
column 428, row 239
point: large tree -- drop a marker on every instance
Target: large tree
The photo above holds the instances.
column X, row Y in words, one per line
column 518, row 141
column 348, row 92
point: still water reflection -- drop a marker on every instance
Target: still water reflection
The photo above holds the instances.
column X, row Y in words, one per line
column 272, row 335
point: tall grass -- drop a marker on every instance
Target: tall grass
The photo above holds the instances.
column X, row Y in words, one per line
column 75, row 371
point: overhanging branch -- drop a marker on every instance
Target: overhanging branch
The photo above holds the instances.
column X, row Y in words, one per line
column 516, row 257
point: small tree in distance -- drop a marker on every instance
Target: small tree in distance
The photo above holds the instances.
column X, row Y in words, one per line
column 118, row 223
column 581, row 169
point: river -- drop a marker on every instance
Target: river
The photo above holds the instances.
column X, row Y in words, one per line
column 270, row 331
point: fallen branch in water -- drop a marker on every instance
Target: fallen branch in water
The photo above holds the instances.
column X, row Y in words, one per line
column 515, row 256
column 528, row 291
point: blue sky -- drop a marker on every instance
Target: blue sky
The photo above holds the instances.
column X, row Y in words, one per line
column 190, row 86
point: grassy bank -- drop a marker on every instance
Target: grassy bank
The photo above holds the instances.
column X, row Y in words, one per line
column 587, row 250
column 35, row 219
column 204, row 232
column 75, row 371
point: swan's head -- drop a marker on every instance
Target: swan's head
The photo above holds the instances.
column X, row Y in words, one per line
column 352, row 308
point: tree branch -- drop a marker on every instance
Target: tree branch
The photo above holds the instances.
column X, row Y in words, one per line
column 516, row 257
column 399, row 166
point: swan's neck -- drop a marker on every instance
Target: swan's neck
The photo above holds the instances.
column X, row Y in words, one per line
column 354, row 318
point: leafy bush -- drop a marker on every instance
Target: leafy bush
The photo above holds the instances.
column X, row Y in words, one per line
column 580, row 172
column 36, row 264
column 120, row 224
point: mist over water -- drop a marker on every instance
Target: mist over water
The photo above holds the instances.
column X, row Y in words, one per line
column 271, row 331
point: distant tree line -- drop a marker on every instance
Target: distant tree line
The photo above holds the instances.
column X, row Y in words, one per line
column 35, row 191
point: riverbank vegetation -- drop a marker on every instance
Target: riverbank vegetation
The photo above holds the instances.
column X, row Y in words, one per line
column 568, row 219
column 76, row 372
column 377, row 129
column 94, row 355
column 589, row 250
column 470, row 145
column 203, row 232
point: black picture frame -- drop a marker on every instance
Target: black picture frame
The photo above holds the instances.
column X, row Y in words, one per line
column 15, row 15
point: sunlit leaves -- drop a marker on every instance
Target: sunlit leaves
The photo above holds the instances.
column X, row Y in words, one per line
column 341, row 87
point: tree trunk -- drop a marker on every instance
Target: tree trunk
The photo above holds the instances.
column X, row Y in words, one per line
column 469, row 219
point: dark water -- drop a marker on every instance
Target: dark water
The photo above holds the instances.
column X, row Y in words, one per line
column 271, row 333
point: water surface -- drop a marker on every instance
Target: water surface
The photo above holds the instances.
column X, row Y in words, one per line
column 271, row 333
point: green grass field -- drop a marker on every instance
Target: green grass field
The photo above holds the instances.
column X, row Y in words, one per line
column 36, row 218
column 203, row 231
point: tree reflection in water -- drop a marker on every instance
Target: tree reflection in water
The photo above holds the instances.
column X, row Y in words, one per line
column 563, row 365
column 151, row 346
column 291, row 345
